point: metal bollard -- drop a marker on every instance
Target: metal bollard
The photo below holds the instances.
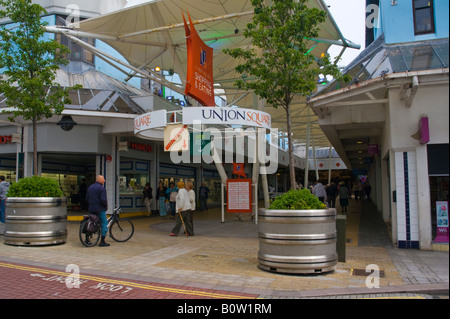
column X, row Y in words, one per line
column 341, row 222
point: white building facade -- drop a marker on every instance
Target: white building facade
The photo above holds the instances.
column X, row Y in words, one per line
column 392, row 119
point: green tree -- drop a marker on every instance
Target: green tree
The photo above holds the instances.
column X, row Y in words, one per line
column 278, row 66
column 29, row 62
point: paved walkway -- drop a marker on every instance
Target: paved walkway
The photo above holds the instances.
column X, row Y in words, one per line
column 222, row 259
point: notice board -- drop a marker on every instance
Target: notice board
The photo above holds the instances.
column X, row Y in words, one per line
column 239, row 195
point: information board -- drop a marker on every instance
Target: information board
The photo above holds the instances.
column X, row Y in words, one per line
column 239, row 195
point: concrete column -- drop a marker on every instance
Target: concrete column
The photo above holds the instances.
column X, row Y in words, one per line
column 423, row 198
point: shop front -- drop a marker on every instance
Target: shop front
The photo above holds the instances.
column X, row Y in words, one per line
column 173, row 174
column 438, row 170
column 137, row 168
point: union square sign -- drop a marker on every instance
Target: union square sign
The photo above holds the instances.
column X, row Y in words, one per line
column 244, row 132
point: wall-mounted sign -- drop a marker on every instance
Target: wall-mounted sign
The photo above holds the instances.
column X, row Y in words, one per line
column 148, row 121
column 372, row 149
column 226, row 115
column 5, row 139
column 139, row 147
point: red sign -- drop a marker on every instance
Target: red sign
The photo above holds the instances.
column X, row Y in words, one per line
column 139, row 147
column 239, row 195
column 199, row 77
column 238, row 169
column 5, row 139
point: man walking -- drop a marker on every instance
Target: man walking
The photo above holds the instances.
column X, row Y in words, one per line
column 4, row 186
column 320, row 192
column 98, row 205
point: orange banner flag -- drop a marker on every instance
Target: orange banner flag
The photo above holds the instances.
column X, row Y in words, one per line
column 199, row 77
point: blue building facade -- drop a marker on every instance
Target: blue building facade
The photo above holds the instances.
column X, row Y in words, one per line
column 409, row 21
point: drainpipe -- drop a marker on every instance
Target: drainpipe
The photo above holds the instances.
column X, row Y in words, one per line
column 414, row 88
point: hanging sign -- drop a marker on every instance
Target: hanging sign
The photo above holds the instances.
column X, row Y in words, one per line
column 424, row 130
column 442, row 222
column 239, row 195
column 199, row 77
column 176, row 138
column 226, row 115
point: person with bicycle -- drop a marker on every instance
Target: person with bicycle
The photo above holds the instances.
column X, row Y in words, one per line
column 98, row 205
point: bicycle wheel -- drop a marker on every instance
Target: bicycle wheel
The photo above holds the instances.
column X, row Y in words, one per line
column 88, row 239
column 121, row 229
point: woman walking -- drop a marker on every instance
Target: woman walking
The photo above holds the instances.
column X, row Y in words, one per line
column 148, row 198
column 161, row 198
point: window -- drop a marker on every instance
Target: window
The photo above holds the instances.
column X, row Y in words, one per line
column 423, row 16
column 77, row 52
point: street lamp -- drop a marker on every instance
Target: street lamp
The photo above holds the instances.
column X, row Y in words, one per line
column 66, row 123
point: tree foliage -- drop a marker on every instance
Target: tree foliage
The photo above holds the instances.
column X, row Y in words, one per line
column 278, row 66
column 29, row 62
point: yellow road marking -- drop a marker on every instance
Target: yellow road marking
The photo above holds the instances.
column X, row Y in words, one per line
column 128, row 283
column 395, row 297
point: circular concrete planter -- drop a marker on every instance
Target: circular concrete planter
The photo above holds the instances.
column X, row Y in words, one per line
column 32, row 221
column 297, row 241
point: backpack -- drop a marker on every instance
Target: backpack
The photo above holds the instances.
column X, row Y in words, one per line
column 92, row 225
column 173, row 196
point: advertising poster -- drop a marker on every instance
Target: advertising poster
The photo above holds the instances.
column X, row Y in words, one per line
column 442, row 222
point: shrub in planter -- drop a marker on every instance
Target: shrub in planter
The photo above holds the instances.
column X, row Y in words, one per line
column 35, row 186
column 297, row 199
column 36, row 213
column 297, row 235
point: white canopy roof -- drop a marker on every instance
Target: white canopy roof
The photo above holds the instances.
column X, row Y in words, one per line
column 152, row 35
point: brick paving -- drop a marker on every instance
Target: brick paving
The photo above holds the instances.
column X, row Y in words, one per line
column 25, row 282
column 220, row 259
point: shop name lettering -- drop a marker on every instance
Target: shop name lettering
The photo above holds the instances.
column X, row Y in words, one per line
column 139, row 147
column 244, row 115
column 144, row 120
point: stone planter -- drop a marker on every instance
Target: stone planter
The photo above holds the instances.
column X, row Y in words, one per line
column 32, row 221
column 297, row 241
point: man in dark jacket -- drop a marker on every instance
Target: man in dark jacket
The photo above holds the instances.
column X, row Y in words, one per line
column 98, row 204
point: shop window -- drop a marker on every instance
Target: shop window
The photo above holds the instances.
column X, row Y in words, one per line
column 423, row 16
column 438, row 193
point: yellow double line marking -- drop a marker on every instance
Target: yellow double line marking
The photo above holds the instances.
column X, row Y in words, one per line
column 128, row 283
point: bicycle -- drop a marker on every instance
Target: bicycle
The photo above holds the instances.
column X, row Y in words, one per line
column 120, row 229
